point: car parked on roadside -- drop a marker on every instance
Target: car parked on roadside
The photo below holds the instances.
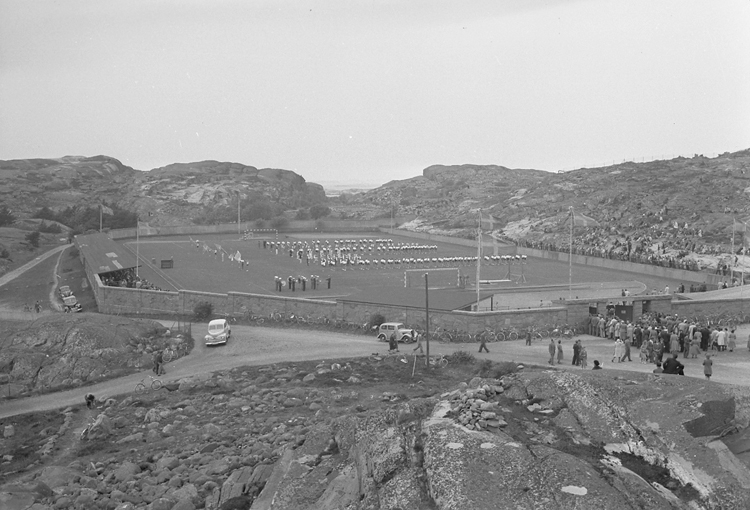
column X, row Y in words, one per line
column 64, row 291
column 71, row 304
column 403, row 334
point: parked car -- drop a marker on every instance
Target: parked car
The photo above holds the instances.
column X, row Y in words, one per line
column 65, row 291
column 71, row 304
column 402, row 333
column 219, row 332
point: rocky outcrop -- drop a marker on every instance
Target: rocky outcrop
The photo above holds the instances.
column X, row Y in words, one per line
column 261, row 438
column 66, row 350
column 569, row 441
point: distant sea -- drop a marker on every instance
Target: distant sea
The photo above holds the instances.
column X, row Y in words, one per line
column 334, row 189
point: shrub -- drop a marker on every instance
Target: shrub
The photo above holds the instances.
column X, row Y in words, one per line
column 51, row 228
column 376, row 320
column 203, row 310
column 279, row 222
column 503, row 368
column 4, row 254
column 459, row 357
column 33, row 239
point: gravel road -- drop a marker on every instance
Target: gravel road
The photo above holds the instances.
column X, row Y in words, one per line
column 252, row 345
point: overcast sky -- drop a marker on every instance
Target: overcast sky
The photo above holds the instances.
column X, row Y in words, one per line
column 370, row 91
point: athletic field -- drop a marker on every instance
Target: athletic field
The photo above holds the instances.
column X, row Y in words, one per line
column 197, row 268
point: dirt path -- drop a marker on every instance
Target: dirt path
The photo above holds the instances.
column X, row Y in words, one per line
column 12, row 275
column 261, row 346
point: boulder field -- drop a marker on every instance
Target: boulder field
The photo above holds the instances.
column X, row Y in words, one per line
column 328, row 437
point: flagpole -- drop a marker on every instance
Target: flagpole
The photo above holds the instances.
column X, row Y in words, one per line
column 734, row 255
column 479, row 254
column 137, row 245
column 570, row 256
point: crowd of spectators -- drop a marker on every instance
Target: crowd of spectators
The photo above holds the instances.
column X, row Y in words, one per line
column 655, row 245
column 127, row 278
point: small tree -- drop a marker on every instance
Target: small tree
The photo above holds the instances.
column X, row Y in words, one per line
column 279, row 222
column 6, row 217
column 203, row 310
column 319, row 211
column 33, row 238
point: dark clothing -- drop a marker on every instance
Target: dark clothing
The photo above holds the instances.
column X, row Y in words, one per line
column 672, row 366
column 158, row 363
column 576, row 353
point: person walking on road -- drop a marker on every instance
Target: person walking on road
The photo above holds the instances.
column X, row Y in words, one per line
column 584, row 356
column 618, row 351
column 419, row 344
column 707, row 367
column 158, row 363
column 559, row 352
column 626, row 354
column 393, row 343
column 576, row 352
column 483, row 344
column 552, row 350
column 528, row 336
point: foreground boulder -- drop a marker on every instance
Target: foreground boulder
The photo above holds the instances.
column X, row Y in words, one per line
column 551, row 439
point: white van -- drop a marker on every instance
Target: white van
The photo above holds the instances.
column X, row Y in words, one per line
column 219, row 332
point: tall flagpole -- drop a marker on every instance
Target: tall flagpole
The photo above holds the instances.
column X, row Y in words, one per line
column 479, row 254
column 137, row 245
column 734, row 255
column 570, row 256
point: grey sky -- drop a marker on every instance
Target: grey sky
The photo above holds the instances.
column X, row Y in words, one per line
column 369, row 91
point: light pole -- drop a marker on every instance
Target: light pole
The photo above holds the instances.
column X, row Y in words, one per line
column 427, row 317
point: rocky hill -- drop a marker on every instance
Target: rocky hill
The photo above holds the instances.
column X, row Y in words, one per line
column 704, row 193
column 174, row 194
column 694, row 198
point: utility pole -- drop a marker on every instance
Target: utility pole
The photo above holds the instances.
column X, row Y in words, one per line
column 427, row 317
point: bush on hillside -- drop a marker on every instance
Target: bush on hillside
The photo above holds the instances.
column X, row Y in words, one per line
column 203, row 310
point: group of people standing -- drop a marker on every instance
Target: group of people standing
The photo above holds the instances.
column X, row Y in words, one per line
column 580, row 355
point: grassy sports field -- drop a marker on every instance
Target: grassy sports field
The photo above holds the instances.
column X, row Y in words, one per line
column 197, row 269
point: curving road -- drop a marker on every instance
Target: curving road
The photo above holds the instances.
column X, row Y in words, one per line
column 252, row 345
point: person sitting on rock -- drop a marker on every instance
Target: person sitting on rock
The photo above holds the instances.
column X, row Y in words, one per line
column 597, row 366
column 658, row 369
column 90, row 400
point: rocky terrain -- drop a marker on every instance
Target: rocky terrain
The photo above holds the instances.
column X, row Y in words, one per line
column 703, row 192
column 363, row 434
column 68, row 350
column 171, row 195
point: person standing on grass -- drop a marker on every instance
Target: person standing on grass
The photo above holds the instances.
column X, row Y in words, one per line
column 707, row 367
column 483, row 344
column 553, row 349
column 559, row 352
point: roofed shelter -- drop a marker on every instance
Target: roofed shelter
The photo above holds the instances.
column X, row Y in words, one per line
column 104, row 255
